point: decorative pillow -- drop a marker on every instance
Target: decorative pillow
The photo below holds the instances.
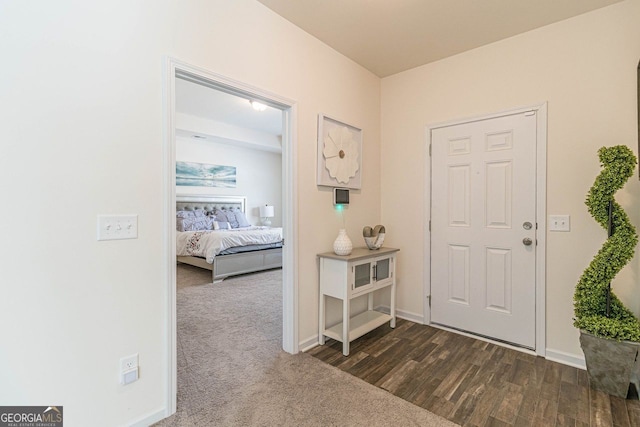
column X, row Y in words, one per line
column 183, row 223
column 209, row 222
column 221, row 225
column 220, row 216
column 242, row 218
column 199, row 213
column 185, row 214
column 231, row 216
column 194, row 224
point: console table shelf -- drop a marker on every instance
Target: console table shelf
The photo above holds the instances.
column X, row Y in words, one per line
column 358, row 325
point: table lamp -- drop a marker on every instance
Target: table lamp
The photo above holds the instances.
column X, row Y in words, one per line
column 267, row 212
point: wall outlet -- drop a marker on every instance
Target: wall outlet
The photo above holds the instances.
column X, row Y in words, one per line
column 129, row 369
column 129, row 362
column 559, row 223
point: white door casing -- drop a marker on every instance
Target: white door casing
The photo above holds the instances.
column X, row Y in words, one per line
column 483, row 183
column 290, row 342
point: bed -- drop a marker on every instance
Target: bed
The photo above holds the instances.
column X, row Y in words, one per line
column 224, row 251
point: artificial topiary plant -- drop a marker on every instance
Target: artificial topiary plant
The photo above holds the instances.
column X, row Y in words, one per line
column 597, row 310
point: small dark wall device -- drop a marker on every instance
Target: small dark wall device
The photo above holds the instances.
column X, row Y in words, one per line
column 340, row 196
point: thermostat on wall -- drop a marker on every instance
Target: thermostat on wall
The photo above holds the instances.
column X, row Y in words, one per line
column 340, row 196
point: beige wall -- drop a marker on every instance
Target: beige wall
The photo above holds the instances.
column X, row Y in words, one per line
column 585, row 68
column 82, row 117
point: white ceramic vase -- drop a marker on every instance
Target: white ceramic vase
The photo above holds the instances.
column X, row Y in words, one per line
column 342, row 245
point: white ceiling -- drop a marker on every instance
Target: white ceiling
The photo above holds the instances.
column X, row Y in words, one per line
column 390, row 36
column 197, row 100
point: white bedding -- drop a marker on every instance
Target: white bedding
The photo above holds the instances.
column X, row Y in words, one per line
column 208, row 244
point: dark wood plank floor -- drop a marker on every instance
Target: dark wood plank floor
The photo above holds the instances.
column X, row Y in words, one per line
column 475, row 383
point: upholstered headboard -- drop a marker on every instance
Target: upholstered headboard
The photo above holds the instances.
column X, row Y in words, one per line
column 210, row 203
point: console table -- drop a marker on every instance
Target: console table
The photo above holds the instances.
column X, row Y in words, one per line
column 346, row 277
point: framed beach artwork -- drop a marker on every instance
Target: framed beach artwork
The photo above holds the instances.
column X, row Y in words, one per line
column 204, row 175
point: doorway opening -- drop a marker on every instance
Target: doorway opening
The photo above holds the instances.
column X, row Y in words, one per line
column 188, row 74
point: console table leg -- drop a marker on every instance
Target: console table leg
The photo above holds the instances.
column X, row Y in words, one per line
column 392, row 310
column 345, row 326
column 321, row 321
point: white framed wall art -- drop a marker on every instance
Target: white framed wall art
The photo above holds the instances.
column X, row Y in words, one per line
column 339, row 154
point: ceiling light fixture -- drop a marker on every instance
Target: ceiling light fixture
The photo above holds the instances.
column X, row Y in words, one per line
column 258, row 106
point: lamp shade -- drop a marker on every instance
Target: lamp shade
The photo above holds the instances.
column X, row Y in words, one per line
column 267, row 211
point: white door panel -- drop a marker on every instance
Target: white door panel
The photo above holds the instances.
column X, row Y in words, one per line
column 483, row 191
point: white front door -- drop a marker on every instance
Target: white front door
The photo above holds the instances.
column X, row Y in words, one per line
column 483, row 227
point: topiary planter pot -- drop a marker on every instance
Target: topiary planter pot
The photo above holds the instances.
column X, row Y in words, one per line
column 611, row 365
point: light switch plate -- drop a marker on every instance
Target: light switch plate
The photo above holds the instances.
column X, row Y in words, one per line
column 116, row 227
column 559, row 223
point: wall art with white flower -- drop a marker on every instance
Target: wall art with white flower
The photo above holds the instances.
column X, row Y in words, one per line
column 339, row 154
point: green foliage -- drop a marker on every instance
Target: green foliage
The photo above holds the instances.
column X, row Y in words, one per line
column 590, row 299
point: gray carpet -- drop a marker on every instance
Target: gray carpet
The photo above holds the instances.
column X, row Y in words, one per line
column 232, row 371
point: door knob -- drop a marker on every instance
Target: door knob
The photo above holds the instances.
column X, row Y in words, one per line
column 527, row 241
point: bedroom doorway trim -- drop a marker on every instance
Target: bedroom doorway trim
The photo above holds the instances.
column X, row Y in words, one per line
column 172, row 69
column 540, row 183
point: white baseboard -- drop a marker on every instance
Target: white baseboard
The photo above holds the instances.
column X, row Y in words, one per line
column 575, row 360
column 402, row 314
column 149, row 419
column 308, row 343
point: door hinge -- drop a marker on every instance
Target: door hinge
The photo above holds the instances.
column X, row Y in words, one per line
column 429, row 225
column 429, row 300
column 429, row 150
